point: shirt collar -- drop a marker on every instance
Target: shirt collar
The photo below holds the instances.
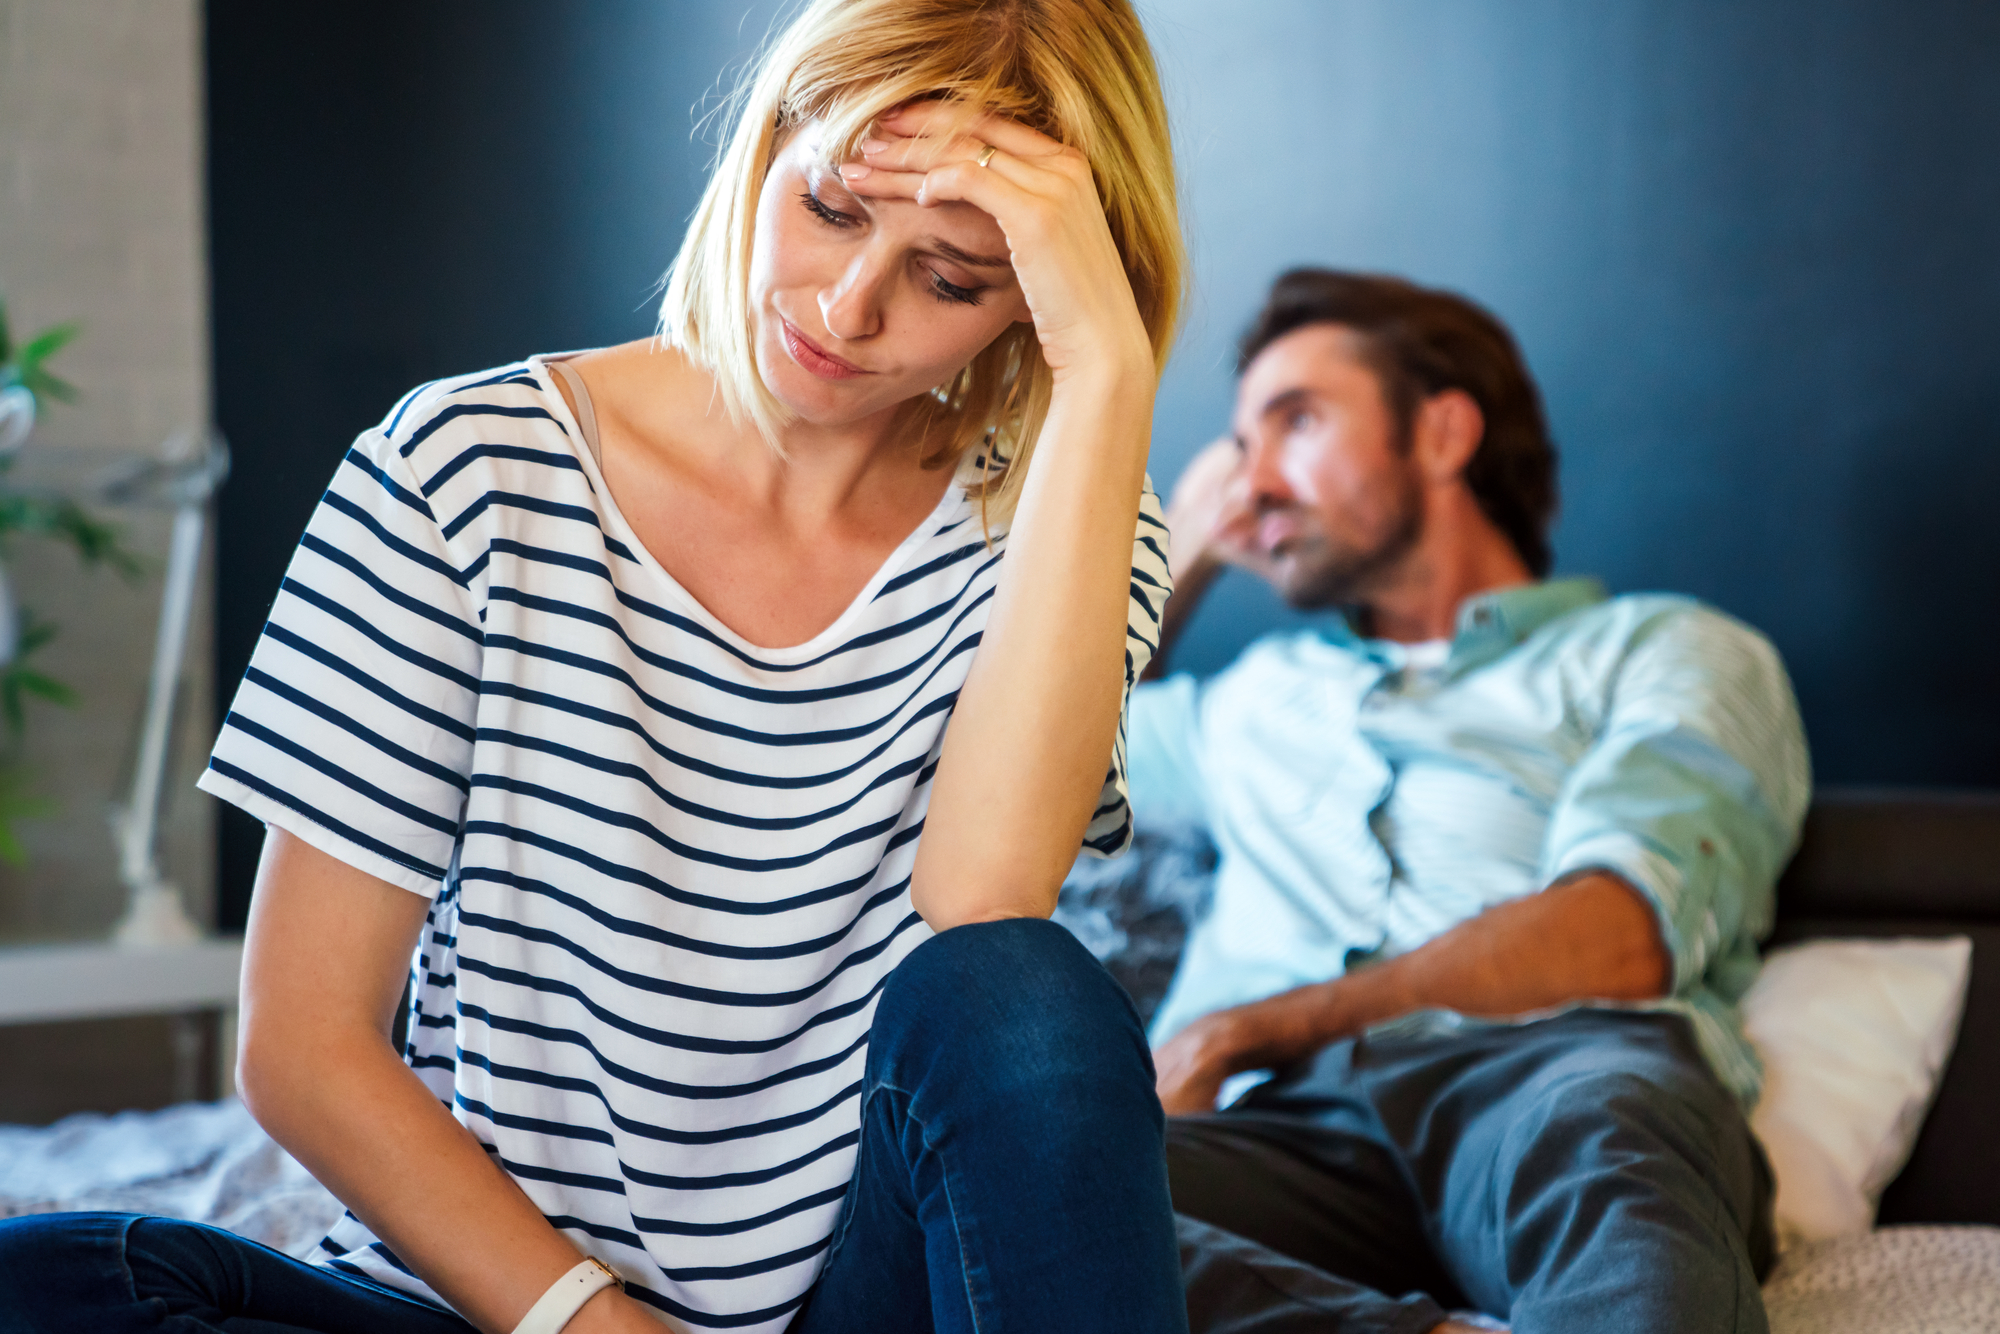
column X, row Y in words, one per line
column 1489, row 624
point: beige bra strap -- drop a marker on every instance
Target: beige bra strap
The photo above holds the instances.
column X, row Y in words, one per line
column 586, row 417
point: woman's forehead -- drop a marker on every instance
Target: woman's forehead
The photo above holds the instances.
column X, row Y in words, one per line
column 962, row 226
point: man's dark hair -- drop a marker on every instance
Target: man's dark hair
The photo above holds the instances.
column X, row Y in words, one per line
column 1421, row 342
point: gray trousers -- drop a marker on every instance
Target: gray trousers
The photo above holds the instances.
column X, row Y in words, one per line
column 1586, row 1172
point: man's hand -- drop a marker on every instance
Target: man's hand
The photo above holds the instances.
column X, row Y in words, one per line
column 1208, row 513
column 1265, row 1034
column 1190, row 1069
column 1209, row 525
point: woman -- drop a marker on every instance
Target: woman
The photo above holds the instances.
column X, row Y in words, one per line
column 614, row 687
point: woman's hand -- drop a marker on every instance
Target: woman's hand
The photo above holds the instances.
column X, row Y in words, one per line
column 1042, row 195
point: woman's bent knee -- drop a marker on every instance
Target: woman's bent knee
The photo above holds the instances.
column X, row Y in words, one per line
column 1020, row 1001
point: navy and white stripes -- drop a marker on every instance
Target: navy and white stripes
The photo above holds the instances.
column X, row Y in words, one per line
column 669, row 869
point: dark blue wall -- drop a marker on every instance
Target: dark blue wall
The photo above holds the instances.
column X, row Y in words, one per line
column 403, row 191
column 1752, row 251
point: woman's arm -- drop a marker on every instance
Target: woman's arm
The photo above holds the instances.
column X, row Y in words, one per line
column 326, row 957
column 1031, row 737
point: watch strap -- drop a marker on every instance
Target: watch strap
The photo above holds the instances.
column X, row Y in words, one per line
column 566, row 1297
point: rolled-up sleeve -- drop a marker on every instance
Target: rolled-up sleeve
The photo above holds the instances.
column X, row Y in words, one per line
column 1693, row 791
column 1162, row 752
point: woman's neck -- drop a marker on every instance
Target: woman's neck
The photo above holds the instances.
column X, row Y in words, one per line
column 816, row 469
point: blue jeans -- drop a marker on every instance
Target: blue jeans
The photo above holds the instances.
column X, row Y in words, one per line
column 1012, row 1176
column 1584, row 1173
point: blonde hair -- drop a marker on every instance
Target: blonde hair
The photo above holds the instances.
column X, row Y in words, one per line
column 1079, row 71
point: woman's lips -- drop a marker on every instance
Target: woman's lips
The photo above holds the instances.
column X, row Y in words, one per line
column 815, row 358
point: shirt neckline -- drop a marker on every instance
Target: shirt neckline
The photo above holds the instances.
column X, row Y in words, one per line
column 616, row 527
column 1488, row 624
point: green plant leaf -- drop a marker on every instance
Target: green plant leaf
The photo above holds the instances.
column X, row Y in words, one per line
column 96, row 542
column 34, row 633
column 46, row 687
column 47, row 343
column 43, row 385
column 19, row 681
column 16, row 803
column 23, row 365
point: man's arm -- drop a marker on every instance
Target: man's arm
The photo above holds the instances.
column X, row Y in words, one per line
column 1205, row 518
column 1589, row 936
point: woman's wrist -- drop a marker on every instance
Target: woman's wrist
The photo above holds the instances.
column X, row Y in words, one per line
column 612, row 1312
column 1112, row 372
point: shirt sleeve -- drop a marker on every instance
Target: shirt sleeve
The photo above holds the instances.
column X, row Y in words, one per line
column 1161, row 728
column 353, row 728
column 1110, row 830
column 1694, row 790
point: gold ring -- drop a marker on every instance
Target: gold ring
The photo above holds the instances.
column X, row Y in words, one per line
column 986, row 155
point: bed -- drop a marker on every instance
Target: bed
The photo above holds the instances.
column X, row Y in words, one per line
column 1872, row 865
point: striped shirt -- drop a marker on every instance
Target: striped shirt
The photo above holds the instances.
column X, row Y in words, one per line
column 1363, row 805
column 669, row 870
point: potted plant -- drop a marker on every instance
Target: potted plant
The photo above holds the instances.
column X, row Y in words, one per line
column 26, row 387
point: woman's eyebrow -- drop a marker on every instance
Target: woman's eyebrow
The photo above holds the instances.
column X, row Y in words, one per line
column 952, row 252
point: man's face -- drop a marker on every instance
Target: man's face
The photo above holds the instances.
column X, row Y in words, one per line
column 1332, row 499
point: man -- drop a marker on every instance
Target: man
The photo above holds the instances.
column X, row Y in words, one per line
column 1495, row 853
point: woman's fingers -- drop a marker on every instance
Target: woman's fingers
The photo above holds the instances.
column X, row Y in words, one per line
column 941, row 121
column 1044, row 198
column 917, row 157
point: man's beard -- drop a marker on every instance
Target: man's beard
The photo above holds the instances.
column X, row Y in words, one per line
column 1344, row 575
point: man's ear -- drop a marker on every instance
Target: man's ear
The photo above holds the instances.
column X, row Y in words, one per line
column 1446, row 434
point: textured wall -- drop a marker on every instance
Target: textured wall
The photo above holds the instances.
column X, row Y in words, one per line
column 101, row 220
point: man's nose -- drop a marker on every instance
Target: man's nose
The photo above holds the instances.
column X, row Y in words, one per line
column 1263, row 478
column 852, row 306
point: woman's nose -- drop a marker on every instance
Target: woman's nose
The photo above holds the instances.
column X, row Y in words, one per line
column 851, row 307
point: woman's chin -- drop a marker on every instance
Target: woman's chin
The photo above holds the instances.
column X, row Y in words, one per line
column 829, row 404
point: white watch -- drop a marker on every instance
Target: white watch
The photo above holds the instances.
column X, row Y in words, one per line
column 566, row 1297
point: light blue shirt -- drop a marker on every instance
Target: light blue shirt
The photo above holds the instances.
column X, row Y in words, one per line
column 1363, row 803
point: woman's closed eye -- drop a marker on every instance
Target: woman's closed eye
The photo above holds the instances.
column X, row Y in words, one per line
column 830, row 216
column 945, row 290
column 940, row 286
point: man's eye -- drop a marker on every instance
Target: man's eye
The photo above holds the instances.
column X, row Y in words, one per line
column 822, row 212
column 1298, row 421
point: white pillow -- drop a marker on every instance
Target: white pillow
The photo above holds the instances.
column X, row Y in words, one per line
column 1854, row 1035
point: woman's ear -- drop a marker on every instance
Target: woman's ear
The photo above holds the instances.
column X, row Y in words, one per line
column 1446, row 434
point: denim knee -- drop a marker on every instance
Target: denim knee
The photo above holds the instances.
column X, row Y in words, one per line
column 54, row 1266
column 1020, row 1000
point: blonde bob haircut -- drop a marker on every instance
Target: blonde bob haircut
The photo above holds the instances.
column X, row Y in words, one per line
column 1079, row 71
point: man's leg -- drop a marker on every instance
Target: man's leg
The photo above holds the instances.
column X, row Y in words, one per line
column 1235, row 1286
column 1587, row 1172
column 1300, row 1169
